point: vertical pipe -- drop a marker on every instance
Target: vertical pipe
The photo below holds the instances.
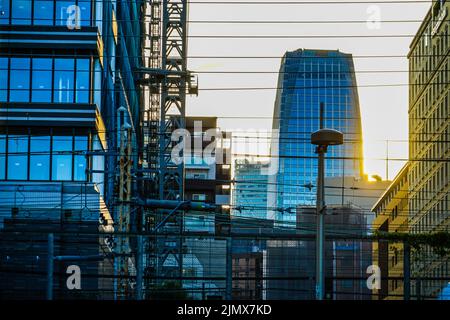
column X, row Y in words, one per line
column 229, row 270
column 406, row 271
column 319, row 215
column 50, row 257
column 139, row 269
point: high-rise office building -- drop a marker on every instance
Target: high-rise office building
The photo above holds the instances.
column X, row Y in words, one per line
column 308, row 78
column 66, row 90
column 250, row 191
column 429, row 133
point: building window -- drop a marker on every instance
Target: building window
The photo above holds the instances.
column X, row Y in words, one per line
column 19, row 80
column 64, row 79
column 4, row 12
column 45, row 12
column 85, row 12
column 82, row 81
column 2, row 157
column 62, row 12
column 199, row 197
column 21, row 12
column 80, row 162
column 43, row 157
column 17, row 157
column 39, row 157
column 62, row 158
column 42, row 80
column 3, row 79
column 59, row 80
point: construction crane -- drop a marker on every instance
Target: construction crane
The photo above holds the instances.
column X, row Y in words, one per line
column 164, row 81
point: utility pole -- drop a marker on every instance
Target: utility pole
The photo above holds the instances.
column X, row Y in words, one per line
column 320, row 206
column 322, row 138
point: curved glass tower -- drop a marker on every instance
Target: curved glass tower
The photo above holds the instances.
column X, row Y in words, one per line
column 308, row 78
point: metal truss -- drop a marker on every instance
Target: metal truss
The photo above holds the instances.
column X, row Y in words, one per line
column 165, row 82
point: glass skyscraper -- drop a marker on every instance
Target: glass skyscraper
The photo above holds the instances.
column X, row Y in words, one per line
column 308, row 78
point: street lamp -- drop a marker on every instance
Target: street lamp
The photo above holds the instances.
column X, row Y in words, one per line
column 322, row 139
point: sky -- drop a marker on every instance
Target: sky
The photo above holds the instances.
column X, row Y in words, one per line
column 384, row 110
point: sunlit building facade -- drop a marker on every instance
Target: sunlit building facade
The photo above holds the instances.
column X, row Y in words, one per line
column 308, row 78
column 429, row 135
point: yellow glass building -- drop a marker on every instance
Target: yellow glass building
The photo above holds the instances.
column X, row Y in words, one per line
column 429, row 148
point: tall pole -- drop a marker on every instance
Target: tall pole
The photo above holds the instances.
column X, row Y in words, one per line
column 319, row 225
column 50, row 258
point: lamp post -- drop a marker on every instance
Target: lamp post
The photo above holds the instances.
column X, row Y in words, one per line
column 322, row 139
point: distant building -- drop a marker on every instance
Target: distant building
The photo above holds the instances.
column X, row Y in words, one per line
column 250, row 191
column 208, row 175
column 208, row 179
column 429, row 132
column 356, row 191
column 308, row 78
column 346, row 260
column 391, row 212
column 250, row 266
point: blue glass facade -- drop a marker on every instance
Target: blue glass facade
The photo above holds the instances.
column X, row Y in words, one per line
column 307, row 79
column 62, row 82
column 59, row 87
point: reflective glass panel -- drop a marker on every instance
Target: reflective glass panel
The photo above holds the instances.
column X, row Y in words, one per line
column 4, row 11
column 39, row 157
column 82, row 78
column 2, row 156
column 62, row 158
column 3, row 79
column 19, row 81
column 17, row 157
column 63, row 14
column 80, row 166
column 63, row 82
column 21, row 12
column 43, row 12
column 42, row 80
column 85, row 12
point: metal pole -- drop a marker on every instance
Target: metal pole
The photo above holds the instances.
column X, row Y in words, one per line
column 50, row 257
column 319, row 224
column 406, row 271
column 139, row 269
column 229, row 270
